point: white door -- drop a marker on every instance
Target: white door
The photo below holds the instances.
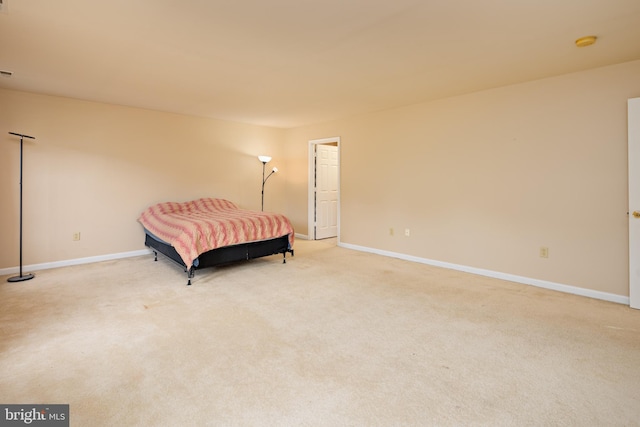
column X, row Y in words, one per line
column 326, row 222
column 634, row 202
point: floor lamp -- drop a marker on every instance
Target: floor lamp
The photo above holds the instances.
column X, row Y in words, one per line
column 265, row 160
column 21, row 277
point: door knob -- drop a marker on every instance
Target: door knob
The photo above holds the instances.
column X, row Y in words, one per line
column 636, row 214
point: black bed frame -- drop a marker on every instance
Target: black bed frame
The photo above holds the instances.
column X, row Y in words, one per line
column 224, row 255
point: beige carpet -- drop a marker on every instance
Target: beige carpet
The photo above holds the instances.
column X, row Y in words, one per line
column 332, row 338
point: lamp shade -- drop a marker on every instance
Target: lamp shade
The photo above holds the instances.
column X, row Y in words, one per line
column 264, row 159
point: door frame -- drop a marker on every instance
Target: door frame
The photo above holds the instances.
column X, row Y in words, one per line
column 311, row 187
column 633, row 108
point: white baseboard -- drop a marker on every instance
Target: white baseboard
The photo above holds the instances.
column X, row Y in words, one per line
column 77, row 261
column 498, row 275
column 88, row 260
column 620, row 299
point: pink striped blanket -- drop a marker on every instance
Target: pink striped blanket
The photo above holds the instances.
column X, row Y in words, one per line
column 198, row 226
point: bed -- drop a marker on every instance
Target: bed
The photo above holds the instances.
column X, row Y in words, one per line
column 208, row 232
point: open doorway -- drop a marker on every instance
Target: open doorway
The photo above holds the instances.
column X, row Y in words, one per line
column 324, row 188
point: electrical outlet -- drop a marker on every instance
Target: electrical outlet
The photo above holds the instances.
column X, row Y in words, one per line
column 407, row 232
column 544, row 252
column 76, row 236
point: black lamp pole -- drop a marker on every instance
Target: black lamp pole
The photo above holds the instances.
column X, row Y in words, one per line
column 21, row 277
column 264, row 164
column 264, row 180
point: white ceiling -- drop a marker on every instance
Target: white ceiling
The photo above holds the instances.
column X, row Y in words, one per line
column 287, row 63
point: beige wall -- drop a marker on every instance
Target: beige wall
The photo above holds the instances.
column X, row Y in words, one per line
column 94, row 167
column 484, row 180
